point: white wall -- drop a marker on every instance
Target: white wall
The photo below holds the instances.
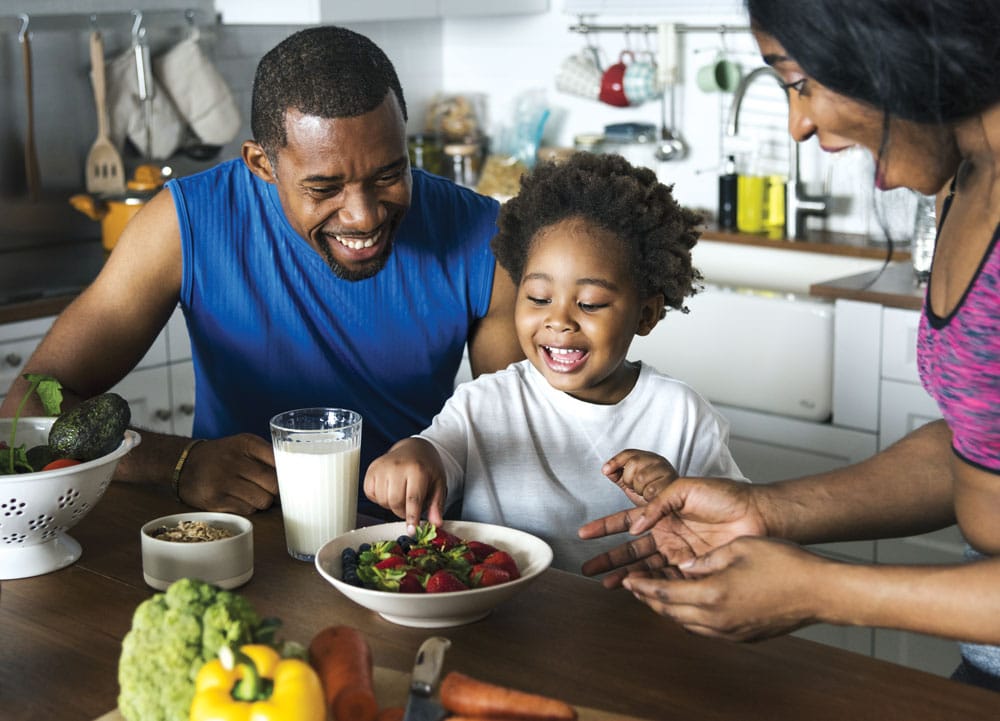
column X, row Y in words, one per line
column 505, row 56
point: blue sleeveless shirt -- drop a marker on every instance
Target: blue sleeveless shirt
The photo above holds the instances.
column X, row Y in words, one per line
column 272, row 328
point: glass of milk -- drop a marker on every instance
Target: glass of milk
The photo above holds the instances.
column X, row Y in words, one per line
column 316, row 452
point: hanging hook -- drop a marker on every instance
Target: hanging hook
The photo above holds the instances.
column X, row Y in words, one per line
column 23, row 30
column 138, row 31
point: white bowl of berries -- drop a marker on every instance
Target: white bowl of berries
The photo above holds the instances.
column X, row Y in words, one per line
column 437, row 577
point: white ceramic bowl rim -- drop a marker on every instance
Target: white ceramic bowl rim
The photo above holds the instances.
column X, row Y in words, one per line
column 435, row 610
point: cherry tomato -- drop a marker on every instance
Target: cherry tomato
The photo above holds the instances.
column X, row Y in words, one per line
column 60, row 463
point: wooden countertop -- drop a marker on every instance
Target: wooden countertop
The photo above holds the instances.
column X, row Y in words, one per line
column 895, row 287
column 563, row 635
column 817, row 241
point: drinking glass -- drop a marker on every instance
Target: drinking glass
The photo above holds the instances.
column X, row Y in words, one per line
column 317, row 452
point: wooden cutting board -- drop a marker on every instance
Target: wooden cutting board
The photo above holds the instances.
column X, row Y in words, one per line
column 392, row 687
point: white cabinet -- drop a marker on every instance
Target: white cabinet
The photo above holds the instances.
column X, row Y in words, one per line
column 313, row 12
column 147, row 391
column 182, row 397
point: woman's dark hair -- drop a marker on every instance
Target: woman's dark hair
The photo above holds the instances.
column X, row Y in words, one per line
column 929, row 61
column 329, row 72
column 629, row 202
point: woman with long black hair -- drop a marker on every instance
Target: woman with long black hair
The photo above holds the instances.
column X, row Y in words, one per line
column 917, row 83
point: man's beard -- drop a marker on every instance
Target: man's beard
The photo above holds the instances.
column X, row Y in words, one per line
column 371, row 268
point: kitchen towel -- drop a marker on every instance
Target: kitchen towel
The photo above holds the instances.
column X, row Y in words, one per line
column 127, row 114
column 199, row 92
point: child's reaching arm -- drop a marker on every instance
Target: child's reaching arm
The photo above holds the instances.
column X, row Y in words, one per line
column 408, row 479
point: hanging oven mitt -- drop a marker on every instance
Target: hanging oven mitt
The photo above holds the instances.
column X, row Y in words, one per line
column 128, row 118
column 199, row 92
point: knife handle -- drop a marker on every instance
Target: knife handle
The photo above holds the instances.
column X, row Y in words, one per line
column 427, row 667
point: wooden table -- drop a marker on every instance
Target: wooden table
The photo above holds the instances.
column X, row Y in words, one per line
column 565, row 636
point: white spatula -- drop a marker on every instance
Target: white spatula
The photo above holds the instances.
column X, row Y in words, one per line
column 105, row 173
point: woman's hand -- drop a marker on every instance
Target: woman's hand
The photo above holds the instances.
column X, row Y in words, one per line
column 687, row 518
column 749, row 589
column 407, row 479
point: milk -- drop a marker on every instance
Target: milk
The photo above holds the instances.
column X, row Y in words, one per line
column 318, row 483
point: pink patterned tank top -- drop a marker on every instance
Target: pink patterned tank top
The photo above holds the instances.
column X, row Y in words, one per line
column 958, row 357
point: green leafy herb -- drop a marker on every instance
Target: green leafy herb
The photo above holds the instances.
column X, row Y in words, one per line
column 49, row 391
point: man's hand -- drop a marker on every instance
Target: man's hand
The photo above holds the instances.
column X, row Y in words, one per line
column 407, row 479
column 687, row 518
column 233, row 474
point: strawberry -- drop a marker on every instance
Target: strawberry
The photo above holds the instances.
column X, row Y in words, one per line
column 417, row 552
column 390, row 562
column 443, row 540
column 504, row 561
column 444, row 582
column 480, row 550
column 484, row 574
column 410, row 583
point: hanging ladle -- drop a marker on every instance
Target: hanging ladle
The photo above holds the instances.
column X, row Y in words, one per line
column 671, row 146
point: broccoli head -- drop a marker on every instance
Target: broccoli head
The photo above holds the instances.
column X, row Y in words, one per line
column 173, row 635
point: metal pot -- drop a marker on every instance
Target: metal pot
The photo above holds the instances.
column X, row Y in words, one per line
column 114, row 212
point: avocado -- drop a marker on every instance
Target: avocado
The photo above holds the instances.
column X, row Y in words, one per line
column 92, row 429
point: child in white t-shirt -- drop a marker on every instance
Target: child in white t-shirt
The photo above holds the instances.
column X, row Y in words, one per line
column 598, row 249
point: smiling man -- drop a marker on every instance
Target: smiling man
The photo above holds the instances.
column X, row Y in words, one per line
column 316, row 270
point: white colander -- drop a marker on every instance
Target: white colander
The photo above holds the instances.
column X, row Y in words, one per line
column 36, row 509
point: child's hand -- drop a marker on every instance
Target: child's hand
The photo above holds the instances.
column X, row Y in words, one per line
column 407, row 479
column 640, row 474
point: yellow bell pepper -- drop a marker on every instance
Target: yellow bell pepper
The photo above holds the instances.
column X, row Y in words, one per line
column 256, row 684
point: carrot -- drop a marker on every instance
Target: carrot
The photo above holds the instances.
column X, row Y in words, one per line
column 392, row 713
column 343, row 660
column 466, row 696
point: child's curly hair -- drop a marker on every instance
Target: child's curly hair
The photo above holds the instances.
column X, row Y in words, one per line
column 606, row 190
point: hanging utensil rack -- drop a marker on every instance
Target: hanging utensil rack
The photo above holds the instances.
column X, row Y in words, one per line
column 107, row 20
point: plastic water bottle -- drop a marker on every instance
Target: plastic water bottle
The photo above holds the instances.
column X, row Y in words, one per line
column 924, row 237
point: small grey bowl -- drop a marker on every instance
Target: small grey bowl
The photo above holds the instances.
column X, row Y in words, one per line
column 225, row 562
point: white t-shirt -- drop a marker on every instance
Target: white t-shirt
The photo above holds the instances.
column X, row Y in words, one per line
column 524, row 455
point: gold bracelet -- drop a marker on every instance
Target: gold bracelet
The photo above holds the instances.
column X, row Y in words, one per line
column 175, row 480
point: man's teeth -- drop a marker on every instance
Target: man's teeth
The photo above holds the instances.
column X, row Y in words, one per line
column 355, row 244
column 562, row 351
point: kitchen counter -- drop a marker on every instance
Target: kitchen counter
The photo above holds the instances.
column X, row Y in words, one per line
column 895, row 287
column 817, row 241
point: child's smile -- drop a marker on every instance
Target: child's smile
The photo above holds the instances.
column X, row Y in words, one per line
column 577, row 311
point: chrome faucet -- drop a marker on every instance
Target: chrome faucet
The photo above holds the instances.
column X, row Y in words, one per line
column 798, row 204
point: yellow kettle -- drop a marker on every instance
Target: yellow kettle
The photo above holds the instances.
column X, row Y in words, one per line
column 115, row 211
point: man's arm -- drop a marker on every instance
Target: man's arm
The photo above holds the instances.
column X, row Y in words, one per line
column 493, row 341
column 100, row 337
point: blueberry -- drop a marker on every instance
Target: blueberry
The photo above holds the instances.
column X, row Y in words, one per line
column 364, row 547
column 351, row 577
column 349, row 556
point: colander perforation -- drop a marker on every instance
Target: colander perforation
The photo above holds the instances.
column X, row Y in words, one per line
column 40, row 522
column 80, row 510
column 68, row 498
column 13, row 507
column 12, row 538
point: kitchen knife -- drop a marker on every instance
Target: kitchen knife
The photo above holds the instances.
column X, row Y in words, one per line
column 430, row 658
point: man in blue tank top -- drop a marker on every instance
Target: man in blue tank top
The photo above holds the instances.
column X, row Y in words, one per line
column 316, row 270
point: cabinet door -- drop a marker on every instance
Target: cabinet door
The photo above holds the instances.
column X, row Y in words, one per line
column 182, row 396
column 311, row 12
column 904, row 407
column 148, row 394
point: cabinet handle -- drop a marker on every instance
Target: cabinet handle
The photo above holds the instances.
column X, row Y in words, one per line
column 162, row 415
column 13, row 360
column 186, row 409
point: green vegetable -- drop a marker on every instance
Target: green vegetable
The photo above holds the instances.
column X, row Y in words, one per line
column 49, row 391
column 92, row 429
column 173, row 635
